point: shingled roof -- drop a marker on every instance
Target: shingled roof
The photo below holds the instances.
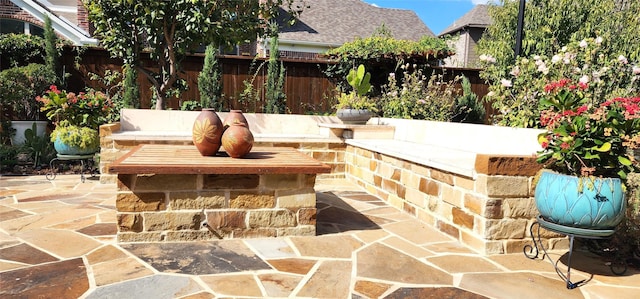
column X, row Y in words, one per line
column 477, row 17
column 335, row 22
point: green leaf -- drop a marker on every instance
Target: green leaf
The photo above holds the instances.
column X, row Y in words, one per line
column 624, row 161
column 590, row 156
column 604, row 148
column 361, row 71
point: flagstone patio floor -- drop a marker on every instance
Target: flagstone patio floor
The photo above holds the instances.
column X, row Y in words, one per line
column 57, row 240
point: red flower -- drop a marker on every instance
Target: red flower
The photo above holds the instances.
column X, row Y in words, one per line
column 583, row 86
column 582, row 109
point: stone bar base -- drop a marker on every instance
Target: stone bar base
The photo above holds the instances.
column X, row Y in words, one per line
column 174, row 207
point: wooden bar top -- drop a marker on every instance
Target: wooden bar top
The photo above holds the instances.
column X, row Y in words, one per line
column 185, row 159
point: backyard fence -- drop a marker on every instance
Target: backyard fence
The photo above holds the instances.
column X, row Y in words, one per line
column 307, row 89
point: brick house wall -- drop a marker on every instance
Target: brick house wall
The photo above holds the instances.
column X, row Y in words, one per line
column 8, row 10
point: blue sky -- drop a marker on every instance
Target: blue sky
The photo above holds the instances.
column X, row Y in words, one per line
column 437, row 14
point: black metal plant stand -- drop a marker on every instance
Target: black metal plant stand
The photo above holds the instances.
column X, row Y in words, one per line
column 533, row 252
column 51, row 175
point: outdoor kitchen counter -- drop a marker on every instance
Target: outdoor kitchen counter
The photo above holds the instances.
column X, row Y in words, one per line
column 185, row 159
column 169, row 193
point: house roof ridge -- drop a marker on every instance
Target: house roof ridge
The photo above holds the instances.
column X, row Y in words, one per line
column 340, row 21
column 477, row 17
column 60, row 24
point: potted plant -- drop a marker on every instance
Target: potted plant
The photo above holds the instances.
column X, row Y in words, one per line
column 77, row 118
column 19, row 87
column 588, row 146
column 355, row 107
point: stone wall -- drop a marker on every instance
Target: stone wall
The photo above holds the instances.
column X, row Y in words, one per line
column 490, row 209
column 173, row 207
column 490, row 213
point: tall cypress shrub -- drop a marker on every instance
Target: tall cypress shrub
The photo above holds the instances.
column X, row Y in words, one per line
column 51, row 53
column 275, row 97
column 210, row 80
column 131, row 97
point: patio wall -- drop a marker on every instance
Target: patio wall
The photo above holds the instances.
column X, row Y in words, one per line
column 491, row 213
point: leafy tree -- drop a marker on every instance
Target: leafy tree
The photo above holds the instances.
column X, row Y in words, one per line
column 168, row 30
column 210, row 80
column 274, row 94
column 549, row 26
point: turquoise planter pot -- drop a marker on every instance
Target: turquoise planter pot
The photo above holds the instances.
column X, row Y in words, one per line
column 65, row 149
column 591, row 203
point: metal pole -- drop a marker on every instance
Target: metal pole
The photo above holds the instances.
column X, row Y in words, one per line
column 519, row 28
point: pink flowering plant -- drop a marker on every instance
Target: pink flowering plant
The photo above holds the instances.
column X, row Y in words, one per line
column 515, row 95
column 86, row 109
column 588, row 138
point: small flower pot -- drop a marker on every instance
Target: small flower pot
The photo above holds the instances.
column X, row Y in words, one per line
column 354, row 116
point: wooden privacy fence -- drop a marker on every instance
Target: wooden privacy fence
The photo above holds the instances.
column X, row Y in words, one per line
column 307, row 89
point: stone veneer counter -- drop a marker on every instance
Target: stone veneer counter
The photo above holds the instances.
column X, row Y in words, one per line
column 167, row 193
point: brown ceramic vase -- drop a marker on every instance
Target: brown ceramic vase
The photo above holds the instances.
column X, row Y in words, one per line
column 235, row 116
column 207, row 132
column 237, row 140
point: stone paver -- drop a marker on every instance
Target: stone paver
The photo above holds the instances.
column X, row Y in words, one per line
column 198, row 258
column 25, row 253
column 397, row 267
column 271, row 248
column 297, row 266
column 279, row 285
column 523, row 285
column 118, row 270
column 330, row 280
column 66, row 279
column 58, row 238
column 157, row 286
column 244, row 285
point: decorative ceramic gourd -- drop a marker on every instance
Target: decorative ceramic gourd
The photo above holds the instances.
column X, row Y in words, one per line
column 237, row 140
column 207, row 132
column 234, row 116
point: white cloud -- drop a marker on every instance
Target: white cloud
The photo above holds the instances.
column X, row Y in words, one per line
column 475, row 2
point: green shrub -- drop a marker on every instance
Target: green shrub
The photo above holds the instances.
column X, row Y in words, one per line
column 21, row 49
column 19, row 87
column 210, row 80
column 9, row 156
column 468, row 109
column 190, row 106
column 415, row 97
